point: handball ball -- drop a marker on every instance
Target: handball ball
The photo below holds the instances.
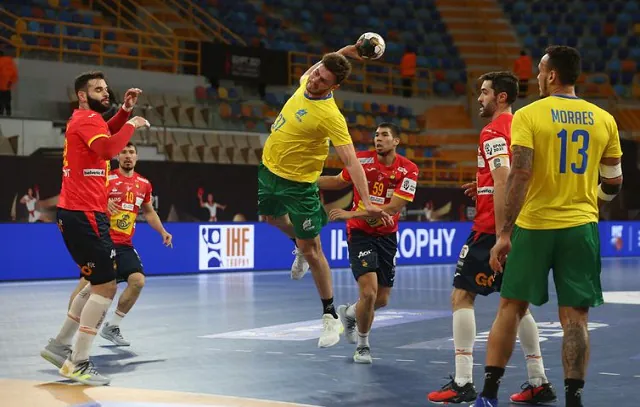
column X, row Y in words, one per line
column 370, row 46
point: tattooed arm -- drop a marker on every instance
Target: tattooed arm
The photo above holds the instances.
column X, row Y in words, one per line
column 517, row 186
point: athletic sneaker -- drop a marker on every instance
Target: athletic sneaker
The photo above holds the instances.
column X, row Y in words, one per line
column 83, row 372
column 452, row 393
column 484, row 402
column 540, row 395
column 300, row 267
column 112, row 333
column 363, row 355
column 331, row 330
column 348, row 323
column 56, row 353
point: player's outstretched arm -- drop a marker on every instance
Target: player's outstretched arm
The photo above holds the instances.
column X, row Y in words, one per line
column 517, row 186
column 154, row 221
column 611, row 179
column 108, row 147
column 332, row 182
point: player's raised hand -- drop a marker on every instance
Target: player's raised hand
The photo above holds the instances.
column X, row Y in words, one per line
column 499, row 254
column 471, row 190
column 131, row 98
column 139, row 121
column 167, row 239
column 351, row 51
column 340, row 214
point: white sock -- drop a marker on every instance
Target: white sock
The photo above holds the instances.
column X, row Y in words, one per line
column 351, row 311
column 464, row 334
column 92, row 316
column 116, row 319
column 530, row 342
column 363, row 338
column 71, row 323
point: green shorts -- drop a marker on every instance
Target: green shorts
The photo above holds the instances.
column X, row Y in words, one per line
column 572, row 253
column 300, row 200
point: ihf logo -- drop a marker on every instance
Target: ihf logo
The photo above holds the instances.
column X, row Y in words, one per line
column 224, row 247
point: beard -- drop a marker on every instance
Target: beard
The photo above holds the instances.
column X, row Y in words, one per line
column 488, row 110
column 96, row 105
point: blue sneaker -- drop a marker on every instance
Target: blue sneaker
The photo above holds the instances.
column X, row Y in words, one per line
column 485, row 402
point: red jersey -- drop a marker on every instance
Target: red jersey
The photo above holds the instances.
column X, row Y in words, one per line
column 129, row 193
column 399, row 179
column 493, row 151
column 84, row 172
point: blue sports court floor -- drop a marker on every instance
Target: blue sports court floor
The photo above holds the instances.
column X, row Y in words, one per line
column 254, row 336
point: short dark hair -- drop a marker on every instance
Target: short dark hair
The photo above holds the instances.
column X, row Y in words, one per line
column 83, row 79
column 130, row 144
column 503, row 81
column 395, row 130
column 566, row 62
column 338, row 65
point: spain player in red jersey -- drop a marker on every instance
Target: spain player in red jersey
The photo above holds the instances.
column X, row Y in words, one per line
column 90, row 143
column 473, row 274
column 129, row 192
column 392, row 181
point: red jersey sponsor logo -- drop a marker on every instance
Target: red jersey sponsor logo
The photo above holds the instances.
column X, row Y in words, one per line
column 495, row 142
column 399, row 179
column 129, row 193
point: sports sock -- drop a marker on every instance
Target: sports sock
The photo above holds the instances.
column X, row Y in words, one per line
column 464, row 334
column 351, row 311
column 116, row 319
column 573, row 392
column 530, row 342
column 92, row 316
column 71, row 323
column 363, row 338
column 492, row 377
column 328, row 308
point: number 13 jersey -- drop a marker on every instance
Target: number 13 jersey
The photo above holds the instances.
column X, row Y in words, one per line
column 569, row 136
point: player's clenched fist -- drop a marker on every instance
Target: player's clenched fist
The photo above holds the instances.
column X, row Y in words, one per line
column 131, row 98
column 138, row 122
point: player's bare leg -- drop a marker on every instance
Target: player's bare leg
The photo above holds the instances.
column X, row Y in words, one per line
column 332, row 327
column 501, row 341
column 300, row 266
column 111, row 329
column 82, row 283
column 575, row 351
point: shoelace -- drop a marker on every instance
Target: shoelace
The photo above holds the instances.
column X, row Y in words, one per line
column 87, row 367
column 449, row 384
column 116, row 332
column 363, row 351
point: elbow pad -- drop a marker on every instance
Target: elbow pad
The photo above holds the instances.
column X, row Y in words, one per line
column 607, row 192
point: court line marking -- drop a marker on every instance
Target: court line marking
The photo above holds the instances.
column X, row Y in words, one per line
column 437, row 362
column 609, row 374
column 405, row 360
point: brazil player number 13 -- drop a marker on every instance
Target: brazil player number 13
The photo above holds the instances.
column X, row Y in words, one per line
column 580, row 137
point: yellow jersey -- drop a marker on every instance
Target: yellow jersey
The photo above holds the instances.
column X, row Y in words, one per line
column 569, row 136
column 299, row 141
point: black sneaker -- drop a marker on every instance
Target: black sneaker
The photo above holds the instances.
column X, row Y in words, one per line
column 452, row 393
column 540, row 395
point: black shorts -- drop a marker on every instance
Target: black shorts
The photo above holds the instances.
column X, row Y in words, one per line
column 127, row 262
column 373, row 254
column 86, row 235
column 473, row 272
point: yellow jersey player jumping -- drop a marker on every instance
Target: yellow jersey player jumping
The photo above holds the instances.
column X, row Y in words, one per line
column 566, row 161
column 292, row 161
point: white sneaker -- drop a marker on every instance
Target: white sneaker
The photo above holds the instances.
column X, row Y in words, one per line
column 83, row 372
column 348, row 323
column 363, row 355
column 300, row 267
column 331, row 330
column 112, row 333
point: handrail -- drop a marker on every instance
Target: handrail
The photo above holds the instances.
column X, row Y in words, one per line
column 370, row 79
column 174, row 51
column 212, row 21
column 120, row 18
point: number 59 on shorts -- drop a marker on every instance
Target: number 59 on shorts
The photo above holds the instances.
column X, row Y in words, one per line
column 581, row 138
